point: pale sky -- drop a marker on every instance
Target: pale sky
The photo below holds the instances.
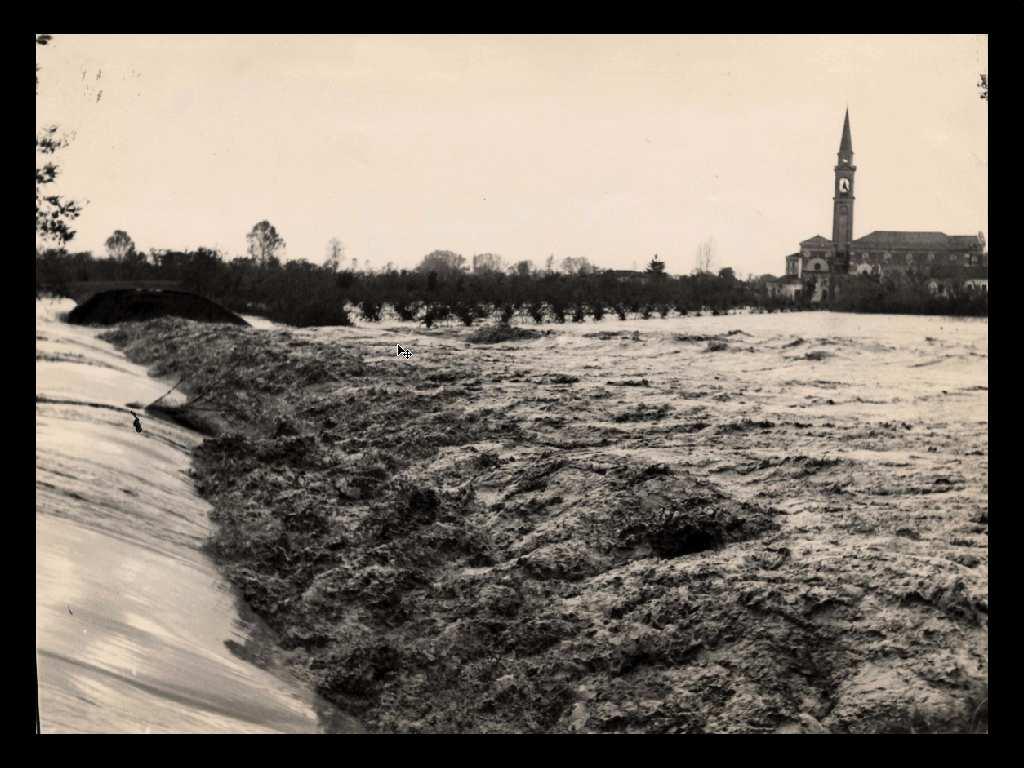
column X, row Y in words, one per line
column 612, row 148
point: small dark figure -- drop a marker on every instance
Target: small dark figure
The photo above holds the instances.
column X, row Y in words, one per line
column 137, row 424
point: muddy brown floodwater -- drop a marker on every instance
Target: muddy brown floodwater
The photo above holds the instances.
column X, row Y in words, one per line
column 742, row 523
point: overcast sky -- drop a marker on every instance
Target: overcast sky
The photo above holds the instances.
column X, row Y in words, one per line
column 612, row 148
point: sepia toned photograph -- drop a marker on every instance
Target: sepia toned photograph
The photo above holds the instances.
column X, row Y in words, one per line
column 519, row 384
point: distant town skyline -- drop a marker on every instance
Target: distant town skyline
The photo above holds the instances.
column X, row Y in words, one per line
column 610, row 148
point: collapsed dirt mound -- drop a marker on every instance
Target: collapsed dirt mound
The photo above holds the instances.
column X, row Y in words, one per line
column 495, row 334
column 125, row 305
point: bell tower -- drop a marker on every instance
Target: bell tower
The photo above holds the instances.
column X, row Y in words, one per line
column 842, row 207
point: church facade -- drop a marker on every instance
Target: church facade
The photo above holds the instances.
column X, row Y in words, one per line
column 811, row 271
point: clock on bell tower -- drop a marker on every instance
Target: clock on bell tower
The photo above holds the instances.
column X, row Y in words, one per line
column 842, row 210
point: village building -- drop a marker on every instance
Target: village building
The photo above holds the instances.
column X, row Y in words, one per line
column 811, row 271
column 787, row 287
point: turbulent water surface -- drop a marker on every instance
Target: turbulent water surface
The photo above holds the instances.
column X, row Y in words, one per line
column 135, row 628
column 739, row 523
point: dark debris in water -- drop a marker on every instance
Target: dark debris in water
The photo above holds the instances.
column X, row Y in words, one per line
column 817, row 354
column 495, row 334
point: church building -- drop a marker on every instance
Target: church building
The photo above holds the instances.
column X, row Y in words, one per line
column 812, row 269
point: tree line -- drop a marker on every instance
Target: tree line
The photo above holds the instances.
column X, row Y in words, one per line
column 444, row 286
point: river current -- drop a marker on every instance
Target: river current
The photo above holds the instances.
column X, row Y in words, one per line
column 136, row 630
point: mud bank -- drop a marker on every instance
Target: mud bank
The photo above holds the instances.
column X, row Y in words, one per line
column 535, row 538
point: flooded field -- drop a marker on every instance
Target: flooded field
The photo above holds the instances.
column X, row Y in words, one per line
column 136, row 631
column 736, row 523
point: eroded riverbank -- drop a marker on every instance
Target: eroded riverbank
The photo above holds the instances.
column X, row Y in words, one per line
column 758, row 523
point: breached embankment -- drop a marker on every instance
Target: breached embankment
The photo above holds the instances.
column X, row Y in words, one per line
column 454, row 543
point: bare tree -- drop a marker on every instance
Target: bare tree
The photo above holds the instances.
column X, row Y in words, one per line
column 487, row 262
column 119, row 245
column 264, row 242
column 576, row 265
column 335, row 254
column 705, row 257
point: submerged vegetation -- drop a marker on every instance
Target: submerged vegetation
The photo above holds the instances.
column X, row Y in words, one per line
column 304, row 294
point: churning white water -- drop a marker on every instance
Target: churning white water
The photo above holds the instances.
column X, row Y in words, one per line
column 136, row 631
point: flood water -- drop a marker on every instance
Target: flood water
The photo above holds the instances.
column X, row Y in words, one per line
column 136, row 630
column 912, row 367
column 864, row 437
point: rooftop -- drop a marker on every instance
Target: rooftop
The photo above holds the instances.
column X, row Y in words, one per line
column 846, row 143
column 816, row 240
column 895, row 239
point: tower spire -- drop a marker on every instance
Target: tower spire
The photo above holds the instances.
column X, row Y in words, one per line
column 842, row 211
column 846, row 144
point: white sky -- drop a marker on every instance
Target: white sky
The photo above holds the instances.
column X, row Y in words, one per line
column 609, row 147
